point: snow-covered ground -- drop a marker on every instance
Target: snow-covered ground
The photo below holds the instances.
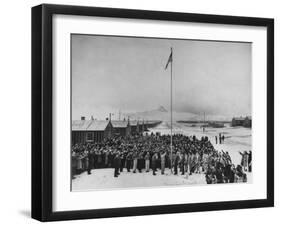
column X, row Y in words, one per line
column 104, row 179
column 236, row 139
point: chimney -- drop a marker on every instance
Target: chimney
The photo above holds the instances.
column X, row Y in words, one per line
column 82, row 118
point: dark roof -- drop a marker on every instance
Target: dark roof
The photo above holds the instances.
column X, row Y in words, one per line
column 239, row 118
column 242, row 118
column 89, row 125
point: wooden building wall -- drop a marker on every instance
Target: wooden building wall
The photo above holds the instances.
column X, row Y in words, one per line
column 90, row 136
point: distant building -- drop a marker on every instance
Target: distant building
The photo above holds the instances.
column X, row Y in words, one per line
column 121, row 128
column 248, row 122
column 90, row 130
column 143, row 127
column 215, row 124
column 152, row 123
column 135, row 127
column 242, row 121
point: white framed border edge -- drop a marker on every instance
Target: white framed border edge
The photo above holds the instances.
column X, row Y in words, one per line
column 65, row 200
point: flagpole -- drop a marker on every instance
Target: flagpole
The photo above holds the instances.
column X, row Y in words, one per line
column 171, row 105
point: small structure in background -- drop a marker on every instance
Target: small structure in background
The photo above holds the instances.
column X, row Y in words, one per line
column 121, row 128
column 248, row 122
column 90, row 130
column 242, row 121
column 144, row 126
column 135, row 127
column 214, row 124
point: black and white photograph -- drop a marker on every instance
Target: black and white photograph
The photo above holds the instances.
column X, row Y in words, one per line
column 148, row 111
column 156, row 112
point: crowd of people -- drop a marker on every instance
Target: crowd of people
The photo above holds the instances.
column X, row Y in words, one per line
column 152, row 153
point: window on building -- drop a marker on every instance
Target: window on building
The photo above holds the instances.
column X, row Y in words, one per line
column 89, row 136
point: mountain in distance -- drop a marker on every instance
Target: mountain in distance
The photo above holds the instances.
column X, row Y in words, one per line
column 162, row 114
column 161, row 109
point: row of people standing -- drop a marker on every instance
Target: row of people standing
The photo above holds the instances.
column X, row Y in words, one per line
column 217, row 166
column 177, row 162
column 220, row 139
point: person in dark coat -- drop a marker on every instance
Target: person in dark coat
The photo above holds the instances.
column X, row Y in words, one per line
column 99, row 160
column 232, row 174
column 110, row 159
column 122, row 162
column 250, row 161
column 91, row 161
column 182, row 161
column 116, row 164
column 73, row 164
column 219, row 174
column 140, row 162
column 227, row 172
column 158, row 161
column 176, row 163
column 95, row 157
column 106, row 162
column 153, row 163
column 210, row 175
column 102, row 162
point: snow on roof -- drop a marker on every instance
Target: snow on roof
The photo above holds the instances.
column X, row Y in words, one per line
column 134, row 123
column 119, row 124
column 89, row 125
column 78, row 125
column 98, row 126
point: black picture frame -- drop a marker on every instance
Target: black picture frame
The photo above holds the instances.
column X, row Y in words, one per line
column 42, row 111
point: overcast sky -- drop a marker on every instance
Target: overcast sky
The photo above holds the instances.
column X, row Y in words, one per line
column 128, row 74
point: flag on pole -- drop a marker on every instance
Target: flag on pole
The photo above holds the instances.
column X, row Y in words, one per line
column 170, row 59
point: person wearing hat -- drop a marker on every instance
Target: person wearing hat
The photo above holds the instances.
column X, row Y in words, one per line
column 176, row 163
column 140, row 163
column 182, row 163
column 116, row 164
column 153, row 163
column 250, row 161
column 122, row 161
column 91, row 160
